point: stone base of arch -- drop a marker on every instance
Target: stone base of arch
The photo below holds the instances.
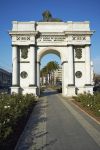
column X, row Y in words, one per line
column 25, row 90
column 74, row 91
column 15, row 90
column 69, row 92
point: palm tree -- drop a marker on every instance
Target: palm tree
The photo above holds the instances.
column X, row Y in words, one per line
column 52, row 66
column 49, row 70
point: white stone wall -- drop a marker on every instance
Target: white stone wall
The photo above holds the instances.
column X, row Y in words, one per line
column 60, row 38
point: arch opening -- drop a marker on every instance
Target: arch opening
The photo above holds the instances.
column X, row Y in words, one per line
column 45, row 51
column 53, row 78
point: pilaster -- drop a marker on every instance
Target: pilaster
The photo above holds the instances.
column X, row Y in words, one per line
column 38, row 77
column 64, row 77
column 15, row 66
column 88, row 65
column 32, row 65
column 38, row 74
column 70, row 65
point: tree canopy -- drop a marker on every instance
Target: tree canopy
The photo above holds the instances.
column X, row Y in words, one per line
column 50, row 67
column 47, row 17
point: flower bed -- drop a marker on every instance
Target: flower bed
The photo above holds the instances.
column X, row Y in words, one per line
column 14, row 111
column 91, row 102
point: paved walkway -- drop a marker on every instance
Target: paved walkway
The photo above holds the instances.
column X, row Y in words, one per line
column 56, row 124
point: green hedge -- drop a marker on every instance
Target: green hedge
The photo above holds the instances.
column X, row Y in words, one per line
column 89, row 101
column 12, row 109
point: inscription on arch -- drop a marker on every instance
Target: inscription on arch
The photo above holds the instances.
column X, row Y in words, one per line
column 78, row 37
column 51, row 38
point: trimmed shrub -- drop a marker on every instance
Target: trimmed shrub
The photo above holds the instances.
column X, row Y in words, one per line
column 12, row 109
column 89, row 101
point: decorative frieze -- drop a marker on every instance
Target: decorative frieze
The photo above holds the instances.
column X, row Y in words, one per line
column 22, row 38
column 51, row 38
column 78, row 37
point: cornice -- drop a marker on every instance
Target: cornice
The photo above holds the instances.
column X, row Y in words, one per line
column 23, row 32
column 79, row 32
column 51, row 23
column 48, row 45
column 51, row 33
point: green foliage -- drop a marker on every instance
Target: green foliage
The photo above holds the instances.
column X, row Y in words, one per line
column 89, row 101
column 47, row 17
column 12, row 108
column 50, row 67
column 56, row 20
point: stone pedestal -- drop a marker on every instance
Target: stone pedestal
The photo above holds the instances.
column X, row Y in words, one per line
column 71, row 90
column 15, row 90
column 89, row 88
column 29, row 90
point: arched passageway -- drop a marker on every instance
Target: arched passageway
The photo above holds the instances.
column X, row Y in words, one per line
column 40, row 55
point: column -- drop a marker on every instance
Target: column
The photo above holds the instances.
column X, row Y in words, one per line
column 70, row 65
column 32, row 65
column 88, row 64
column 38, row 74
column 64, row 77
column 15, row 65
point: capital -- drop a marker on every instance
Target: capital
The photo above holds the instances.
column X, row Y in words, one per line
column 32, row 45
column 14, row 45
column 69, row 45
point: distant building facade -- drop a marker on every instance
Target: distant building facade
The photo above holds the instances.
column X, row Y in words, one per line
column 58, row 75
column 5, row 78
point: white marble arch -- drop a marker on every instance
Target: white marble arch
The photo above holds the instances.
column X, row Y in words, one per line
column 71, row 41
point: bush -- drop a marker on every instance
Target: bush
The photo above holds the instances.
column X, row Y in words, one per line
column 89, row 101
column 12, row 109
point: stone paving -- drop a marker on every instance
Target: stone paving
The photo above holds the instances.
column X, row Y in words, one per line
column 34, row 135
column 56, row 124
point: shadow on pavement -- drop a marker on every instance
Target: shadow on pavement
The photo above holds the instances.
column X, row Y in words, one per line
column 48, row 93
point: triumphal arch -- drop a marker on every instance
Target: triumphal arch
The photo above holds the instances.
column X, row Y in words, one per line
column 71, row 41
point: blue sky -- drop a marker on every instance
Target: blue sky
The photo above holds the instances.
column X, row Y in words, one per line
column 29, row 10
